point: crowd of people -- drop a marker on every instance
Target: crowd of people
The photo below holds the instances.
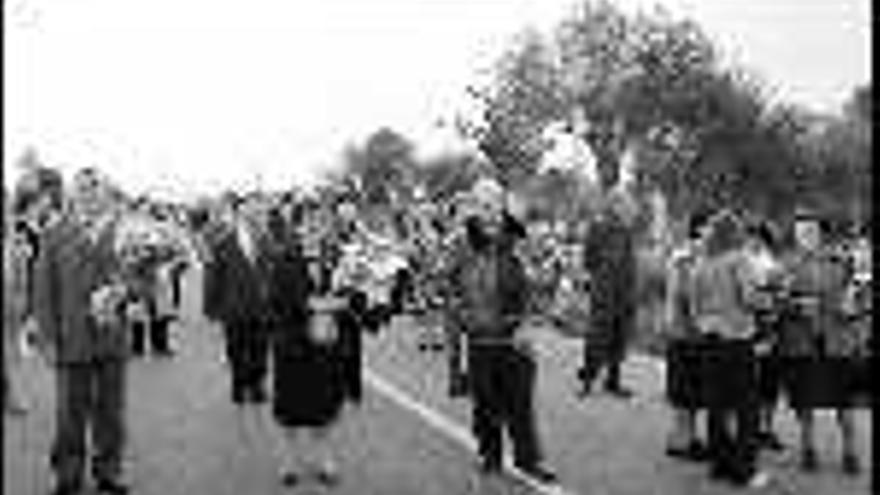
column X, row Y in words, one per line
column 752, row 316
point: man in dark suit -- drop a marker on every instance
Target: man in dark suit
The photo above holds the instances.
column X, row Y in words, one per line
column 237, row 297
column 89, row 357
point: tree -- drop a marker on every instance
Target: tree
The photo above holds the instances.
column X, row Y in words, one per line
column 704, row 133
column 381, row 167
column 445, row 176
column 522, row 98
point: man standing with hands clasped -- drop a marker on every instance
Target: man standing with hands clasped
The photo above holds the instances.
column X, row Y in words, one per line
column 87, row 348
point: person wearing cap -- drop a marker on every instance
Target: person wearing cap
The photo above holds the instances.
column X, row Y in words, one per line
column 490, row 300
column 83, row 338
column 817, row 344
column 609, row 257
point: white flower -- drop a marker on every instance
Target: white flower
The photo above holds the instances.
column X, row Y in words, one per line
column 106, row 303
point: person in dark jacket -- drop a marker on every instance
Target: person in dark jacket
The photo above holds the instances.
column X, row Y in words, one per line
column 491, row 299
column 237, row 297
column 609, row 256
column 316, row 356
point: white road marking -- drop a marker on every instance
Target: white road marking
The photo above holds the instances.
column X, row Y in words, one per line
column 449, row 428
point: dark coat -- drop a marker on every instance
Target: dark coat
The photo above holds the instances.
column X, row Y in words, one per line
column 609, row 257
column 237, row 289
column 70, row 267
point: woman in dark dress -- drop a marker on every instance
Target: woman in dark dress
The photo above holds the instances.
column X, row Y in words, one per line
column 316, row 360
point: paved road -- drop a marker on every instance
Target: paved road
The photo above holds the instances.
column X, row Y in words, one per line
column 406, row 438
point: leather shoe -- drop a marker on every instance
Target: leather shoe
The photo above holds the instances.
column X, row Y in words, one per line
column 490, row 466
column 66, row 489
column 695, row 452
column 538, row 472
column 619, row 391
column 111, row 487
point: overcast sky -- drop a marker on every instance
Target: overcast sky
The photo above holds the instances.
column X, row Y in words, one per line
column 180, row 96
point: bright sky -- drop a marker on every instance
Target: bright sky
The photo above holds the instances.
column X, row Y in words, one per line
column 183, row 96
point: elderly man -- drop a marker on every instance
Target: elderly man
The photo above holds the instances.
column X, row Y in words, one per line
column 88, row 354
column 491, row 298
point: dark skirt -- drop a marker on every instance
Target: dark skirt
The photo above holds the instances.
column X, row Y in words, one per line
column 309, row 384
column 826, row 382
column 707, row 372
column 684, row 373
column 770, row 370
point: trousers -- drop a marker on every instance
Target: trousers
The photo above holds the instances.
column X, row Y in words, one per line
column 90, row 402
column 605, row 347
column 733, row 420
column 502, row 383
column 247, row 352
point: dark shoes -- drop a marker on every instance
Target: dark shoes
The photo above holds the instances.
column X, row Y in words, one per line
column 538, row 472
column 67, row 489
column 851, row 464
column 770, row 441
column 242, row 395
column 111, row 487
column 619, row 391
column 695, row 452
column 290, row 479
column 809, row 461
column 258, row 396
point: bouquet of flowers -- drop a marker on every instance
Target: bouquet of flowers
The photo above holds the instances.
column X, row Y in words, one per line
column 142, row 246
column 108, row 303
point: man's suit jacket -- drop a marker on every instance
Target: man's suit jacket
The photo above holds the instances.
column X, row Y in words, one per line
column 237, row 288
column 71, row 266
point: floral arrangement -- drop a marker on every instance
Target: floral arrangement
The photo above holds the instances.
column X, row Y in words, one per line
column 141, row 247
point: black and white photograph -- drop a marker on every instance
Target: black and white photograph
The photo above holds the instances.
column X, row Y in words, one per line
column 437, row 247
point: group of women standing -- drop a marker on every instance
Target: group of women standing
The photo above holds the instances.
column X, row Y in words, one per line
column 749, row 325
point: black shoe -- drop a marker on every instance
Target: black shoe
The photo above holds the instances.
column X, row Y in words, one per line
column 809, row 461
column 111, row 487
column 619, row 391
column 165, row 353
column 490, row 465
column 721, row 473
column 695, row 452
column 67, row 489
column 239, row 396
column 290, row 479
column 851, row 464
column 538, row 472
column 770, row 441
column 258, row 396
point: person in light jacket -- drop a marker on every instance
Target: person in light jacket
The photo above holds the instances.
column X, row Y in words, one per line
column 722, row 315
